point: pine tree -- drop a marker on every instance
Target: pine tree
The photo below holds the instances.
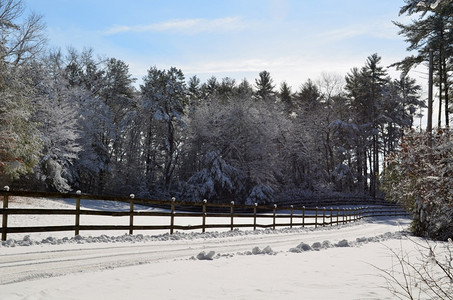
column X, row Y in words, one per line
column 264, row 87
column 164, row 93
column 430, row 31
column 365, row 89
column 286, row 96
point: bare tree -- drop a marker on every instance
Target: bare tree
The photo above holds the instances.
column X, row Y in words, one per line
column 20, row 42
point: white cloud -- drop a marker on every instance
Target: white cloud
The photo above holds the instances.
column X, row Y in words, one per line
column 190, row 26
column 382, row 29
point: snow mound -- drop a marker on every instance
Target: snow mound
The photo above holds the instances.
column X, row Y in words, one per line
column 317, row 246
column 302, row 247
column 268, row 250
column 342, row 243
column 204, row 256
column 140, row 238
column 327, row 244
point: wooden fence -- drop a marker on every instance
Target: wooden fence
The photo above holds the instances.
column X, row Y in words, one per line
column 201, row 212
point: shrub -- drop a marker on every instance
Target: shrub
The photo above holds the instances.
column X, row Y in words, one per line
column 419, row 176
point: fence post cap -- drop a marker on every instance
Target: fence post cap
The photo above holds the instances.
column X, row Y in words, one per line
column 232, row 202
column 173, row 199
column 132, row 196
column 292, row 206
column 6, row 188
column 205, row 201
column 256, row 204
column 78, row 192
column 275, row 205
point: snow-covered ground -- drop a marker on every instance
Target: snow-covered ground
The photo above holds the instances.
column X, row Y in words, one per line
column 341, row 262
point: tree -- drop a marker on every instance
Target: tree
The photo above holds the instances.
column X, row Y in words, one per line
column 366, row 92
column 308, row 96
column 20, row 42
column 194, row 91
column 241, row 137
column 217, row 180
column 430, row 31
column 164, row 93
column 19, row 142
column 20, row 146
column 286, row 96
column 264, row 87
column 419, row 176
column 57, row 117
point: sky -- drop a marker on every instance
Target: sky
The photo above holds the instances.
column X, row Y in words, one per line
column 294, row 40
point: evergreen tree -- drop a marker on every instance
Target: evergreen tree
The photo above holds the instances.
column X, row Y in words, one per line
column 430, row 31
column 308, row 96
column 244, row 89
column 164, row 93
column 366, row 89
column 286, row 96
column 264, row 87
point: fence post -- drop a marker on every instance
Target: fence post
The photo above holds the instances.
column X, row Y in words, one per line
column 172, row 216
column 232, row 215
column 5, row 214
column 344, row 212
column 275, row 208
column 323, row 216
column 303, row 216
column 204, row 216
column 77, row 213
column 131, row 216
column 331, row 216
column 316, row 218
column 338, row 213
column 291, row 218
column 254, row 216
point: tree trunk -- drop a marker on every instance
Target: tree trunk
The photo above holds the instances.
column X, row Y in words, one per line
column 439, row 121
column 446, row 91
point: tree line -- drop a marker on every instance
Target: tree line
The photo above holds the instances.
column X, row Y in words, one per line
column 70, row 120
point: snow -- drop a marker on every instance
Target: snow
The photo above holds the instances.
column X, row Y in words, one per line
column 338, row 262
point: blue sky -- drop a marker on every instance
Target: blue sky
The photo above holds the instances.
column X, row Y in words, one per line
column 292, row 39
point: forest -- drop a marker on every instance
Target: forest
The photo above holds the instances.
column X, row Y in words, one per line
column 73, row 120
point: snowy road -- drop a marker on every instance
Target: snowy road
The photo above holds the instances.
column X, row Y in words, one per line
column 19, row 264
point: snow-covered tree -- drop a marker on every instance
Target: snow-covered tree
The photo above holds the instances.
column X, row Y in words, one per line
column 217, row 179
column 164, row 98
column 246, row 135
column 19, row 140
column 19, row 44
column 57, row 117
column 430, row 30
column 420, row 177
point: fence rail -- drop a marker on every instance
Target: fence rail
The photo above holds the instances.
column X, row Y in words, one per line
column 202, row 211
